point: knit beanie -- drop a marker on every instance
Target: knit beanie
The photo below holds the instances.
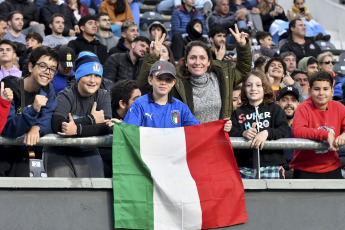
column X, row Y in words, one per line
column 87, row 63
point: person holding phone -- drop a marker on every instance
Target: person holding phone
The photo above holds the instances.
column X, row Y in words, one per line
column 313, row 28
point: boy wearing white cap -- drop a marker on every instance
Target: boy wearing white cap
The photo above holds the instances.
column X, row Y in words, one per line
column 81, row 111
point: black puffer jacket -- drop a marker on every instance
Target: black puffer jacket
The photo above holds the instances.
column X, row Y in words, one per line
column 119, row 66
column 49, row 9
column 28, row 9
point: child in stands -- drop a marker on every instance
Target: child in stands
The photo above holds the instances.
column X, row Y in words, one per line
column 322, row 119
column 259, row 119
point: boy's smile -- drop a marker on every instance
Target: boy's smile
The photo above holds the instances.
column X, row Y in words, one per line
column 161, row 85
column 321, row 93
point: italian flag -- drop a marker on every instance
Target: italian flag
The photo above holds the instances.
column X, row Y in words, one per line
column 176, row 178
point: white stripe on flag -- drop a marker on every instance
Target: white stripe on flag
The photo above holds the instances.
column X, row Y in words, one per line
column 176, row 199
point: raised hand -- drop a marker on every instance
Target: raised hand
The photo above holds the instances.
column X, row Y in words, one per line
column 98, row 115
column 287, row 80
column 240, row 37
column 220, row 53
column 156, row 45
column 251, row 132
column 40, row 101
column 68, row 128
column 6, row 93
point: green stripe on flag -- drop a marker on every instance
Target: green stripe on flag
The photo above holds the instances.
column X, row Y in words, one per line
column 132, row 183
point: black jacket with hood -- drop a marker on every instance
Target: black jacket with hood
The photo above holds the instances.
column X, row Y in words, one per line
column 119, row 48
column 271, row 118
column 81, row 44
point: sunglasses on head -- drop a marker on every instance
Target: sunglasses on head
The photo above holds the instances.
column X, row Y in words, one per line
column 328, row 62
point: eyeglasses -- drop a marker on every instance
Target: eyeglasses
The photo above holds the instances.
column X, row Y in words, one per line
column 328, row 62
column 43, row 67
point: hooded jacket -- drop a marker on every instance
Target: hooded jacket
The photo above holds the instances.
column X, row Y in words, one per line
column 28, row 9
column 119, row 48
column 20, row 120
column 302, row 64
column 108, row 8
column 81, row 44
column 269, row 117
column 228, row 77
column 155, row 23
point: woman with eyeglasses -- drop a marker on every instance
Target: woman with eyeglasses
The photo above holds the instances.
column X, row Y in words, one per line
column 326, row 62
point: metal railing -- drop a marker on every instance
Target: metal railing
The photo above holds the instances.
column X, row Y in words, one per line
column 106, row 141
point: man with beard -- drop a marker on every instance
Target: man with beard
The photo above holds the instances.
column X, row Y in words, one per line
column 104, row 34
column 121, row 66
column 86, row 40
column 3, row 27
column 217, row 35
column 53, row 7
column 57, row 25
column 15, row 21
column 287, row 98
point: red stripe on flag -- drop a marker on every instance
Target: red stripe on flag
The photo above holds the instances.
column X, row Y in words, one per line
column 213, row 166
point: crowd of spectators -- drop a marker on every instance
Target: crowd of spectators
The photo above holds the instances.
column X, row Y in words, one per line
column 72, row 68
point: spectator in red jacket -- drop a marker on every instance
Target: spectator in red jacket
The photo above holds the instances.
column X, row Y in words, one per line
column 5, row 104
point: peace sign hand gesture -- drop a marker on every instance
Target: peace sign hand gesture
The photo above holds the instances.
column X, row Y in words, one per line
column 156, row 45
column 240, row 37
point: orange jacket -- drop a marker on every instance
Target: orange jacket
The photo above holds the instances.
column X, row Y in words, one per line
column 108, row 8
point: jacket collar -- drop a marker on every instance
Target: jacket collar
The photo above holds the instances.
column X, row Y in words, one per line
column 184, row 10
column 151, row 100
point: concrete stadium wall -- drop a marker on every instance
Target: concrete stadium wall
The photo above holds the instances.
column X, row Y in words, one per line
column 329, row 13
column 65, row 204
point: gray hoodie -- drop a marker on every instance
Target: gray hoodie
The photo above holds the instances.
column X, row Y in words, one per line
column 109, row 42
column 156, row 23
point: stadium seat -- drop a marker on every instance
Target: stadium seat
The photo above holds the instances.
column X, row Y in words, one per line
column 325, row 46
column 339, row 67
column 154, row 16
column 342, row 58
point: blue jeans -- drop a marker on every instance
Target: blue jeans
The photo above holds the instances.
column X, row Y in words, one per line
column 230, row 40
column 136, row 12
column 116, row 30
